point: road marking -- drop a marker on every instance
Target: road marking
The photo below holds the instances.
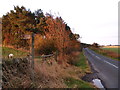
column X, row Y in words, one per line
column 111, row 64
column 94, row 55
column 90, row 52
column 104, row 60
column 98, row 57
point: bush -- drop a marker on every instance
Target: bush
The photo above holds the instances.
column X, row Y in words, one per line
column 44, row 46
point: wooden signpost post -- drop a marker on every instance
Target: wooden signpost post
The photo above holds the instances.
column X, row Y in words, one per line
column 32, row 53
column 31, row 37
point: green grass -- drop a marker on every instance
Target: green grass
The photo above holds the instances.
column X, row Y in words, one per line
column 112, row 49
column 38, row 57
column 17, row 53
column 84, row 67
column 74, row 83
column 82, row 63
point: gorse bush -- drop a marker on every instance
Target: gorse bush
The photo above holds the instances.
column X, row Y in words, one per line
column 44, row 46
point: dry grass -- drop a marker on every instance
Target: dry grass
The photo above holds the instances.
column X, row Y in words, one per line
column 47, row 74
column 50, row 74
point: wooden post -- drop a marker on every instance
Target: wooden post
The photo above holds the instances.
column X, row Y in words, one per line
column 32, row 53
column 55, row 55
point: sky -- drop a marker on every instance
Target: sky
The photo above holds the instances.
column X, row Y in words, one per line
column 94, row 20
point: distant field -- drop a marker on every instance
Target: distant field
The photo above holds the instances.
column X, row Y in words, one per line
column 112, row 49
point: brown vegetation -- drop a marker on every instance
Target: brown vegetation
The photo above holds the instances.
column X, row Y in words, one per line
column 52, row 34
column 107, row 53
column 17, row 73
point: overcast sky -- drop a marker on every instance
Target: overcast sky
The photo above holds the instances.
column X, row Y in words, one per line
column 94, row 20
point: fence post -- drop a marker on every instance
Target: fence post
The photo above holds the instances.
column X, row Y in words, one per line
column 56, row 54
column 32, row 53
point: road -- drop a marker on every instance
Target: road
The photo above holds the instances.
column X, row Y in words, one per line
column 107, row 68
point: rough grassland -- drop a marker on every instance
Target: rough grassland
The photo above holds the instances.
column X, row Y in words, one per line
column 17, row 53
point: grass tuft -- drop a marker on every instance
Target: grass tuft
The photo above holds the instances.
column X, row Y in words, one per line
column 75, row 83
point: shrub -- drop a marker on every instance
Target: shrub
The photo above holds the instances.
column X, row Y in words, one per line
column 44, row 46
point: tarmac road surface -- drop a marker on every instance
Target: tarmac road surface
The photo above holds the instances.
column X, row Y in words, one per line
column 107, row 68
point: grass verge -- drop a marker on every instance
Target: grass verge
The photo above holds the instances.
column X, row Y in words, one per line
column 116, row 50
column 84, row 68
column 107, row 53
column 82, row 63
column 74, row 83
